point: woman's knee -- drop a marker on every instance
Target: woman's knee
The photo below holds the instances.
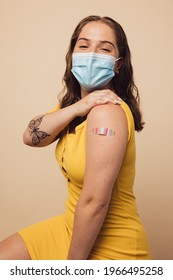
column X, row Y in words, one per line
column 13, row 248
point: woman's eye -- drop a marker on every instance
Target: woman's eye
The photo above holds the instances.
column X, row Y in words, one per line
column 105, row 50
column 83, row 47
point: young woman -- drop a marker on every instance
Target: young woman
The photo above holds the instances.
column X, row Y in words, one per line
column 94, row 123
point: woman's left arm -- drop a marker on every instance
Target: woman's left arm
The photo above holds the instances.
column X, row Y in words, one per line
column 106, row 142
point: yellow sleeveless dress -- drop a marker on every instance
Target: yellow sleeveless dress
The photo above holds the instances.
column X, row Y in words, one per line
column 122, row 235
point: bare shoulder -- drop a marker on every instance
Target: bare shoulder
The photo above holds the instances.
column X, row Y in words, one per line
column 108, row 114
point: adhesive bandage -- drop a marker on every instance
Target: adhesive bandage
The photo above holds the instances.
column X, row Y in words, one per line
column 103, row 131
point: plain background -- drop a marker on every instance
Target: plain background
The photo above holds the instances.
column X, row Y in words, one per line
column 34, row 37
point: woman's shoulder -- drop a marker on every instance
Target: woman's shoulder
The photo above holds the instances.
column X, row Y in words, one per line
column 110, row 114
column 105, row 111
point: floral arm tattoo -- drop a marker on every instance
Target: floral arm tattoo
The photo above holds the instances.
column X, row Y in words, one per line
column 35, row 132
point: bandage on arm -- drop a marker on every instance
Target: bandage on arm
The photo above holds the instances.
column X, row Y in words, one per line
column 103, row 131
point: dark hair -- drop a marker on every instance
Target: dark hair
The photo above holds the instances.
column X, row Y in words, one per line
column 123, row 83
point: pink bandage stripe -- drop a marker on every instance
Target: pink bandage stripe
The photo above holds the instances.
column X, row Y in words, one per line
column 103, row 131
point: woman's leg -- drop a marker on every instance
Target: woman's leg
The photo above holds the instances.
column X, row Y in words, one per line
column 13, row 248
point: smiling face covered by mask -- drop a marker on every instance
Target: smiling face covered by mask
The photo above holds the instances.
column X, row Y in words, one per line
column 93, row 70
column 95, row 56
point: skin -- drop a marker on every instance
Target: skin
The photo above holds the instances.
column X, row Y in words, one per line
column 102, row 112
column 99, row 38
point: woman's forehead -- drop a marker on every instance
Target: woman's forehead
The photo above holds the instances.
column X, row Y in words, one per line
column 97, row 30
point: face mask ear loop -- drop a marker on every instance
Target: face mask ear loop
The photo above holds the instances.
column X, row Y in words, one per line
column 117, row 72
column 118, row 58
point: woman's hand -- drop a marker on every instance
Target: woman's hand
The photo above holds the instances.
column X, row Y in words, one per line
column 97, row 97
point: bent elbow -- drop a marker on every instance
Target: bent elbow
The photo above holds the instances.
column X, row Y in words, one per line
column 101, row 206
column 97, row 206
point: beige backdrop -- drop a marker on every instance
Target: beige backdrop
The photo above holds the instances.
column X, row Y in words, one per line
column 34, row 38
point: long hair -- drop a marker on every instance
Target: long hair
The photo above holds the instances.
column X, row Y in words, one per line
column 123, row 83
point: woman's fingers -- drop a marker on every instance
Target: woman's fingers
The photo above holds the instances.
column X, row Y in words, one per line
column 95, row 98
column 106, row 96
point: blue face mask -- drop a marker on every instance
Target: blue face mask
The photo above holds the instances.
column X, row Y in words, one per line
column 93, row 70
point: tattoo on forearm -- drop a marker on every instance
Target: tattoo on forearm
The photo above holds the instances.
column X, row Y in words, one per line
column 103, row 131
column 35, row 132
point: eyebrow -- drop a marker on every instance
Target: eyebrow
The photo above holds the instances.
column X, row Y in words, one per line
column 102, row 42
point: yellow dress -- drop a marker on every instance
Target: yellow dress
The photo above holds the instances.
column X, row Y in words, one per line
column 122, row 235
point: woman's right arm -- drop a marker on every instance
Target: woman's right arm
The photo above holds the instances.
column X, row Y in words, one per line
column 43, row 129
